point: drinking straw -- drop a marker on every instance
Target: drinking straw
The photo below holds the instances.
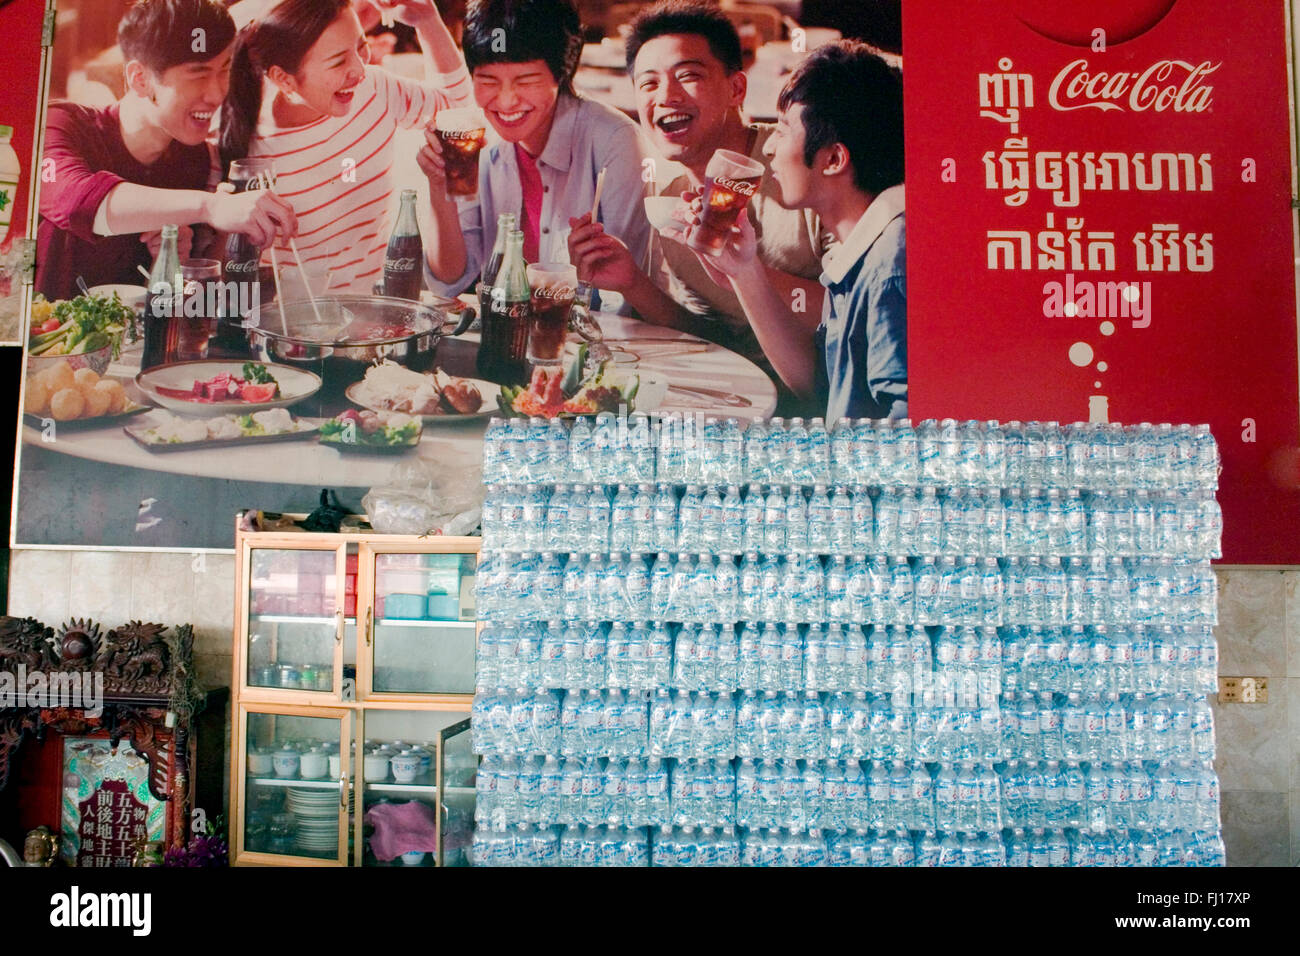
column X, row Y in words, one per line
column 600, row 185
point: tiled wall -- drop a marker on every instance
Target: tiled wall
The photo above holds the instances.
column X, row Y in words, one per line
column 1259, row 636
column 114, row 587
column 1259, row 744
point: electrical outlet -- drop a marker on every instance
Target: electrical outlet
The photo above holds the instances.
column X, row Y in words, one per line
column 1243, row 690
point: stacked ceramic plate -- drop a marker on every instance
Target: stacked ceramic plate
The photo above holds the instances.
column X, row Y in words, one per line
column 317, row 816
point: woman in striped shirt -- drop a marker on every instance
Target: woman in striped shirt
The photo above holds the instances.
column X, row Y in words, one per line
column 329, row 127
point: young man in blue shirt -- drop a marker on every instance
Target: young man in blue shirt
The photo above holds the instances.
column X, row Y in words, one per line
column 842, row 157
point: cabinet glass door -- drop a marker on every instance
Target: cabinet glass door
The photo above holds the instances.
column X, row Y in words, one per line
column 296, row 802
column 459, row 778
column 398, row 779
column 295, row 620
column 423, row 627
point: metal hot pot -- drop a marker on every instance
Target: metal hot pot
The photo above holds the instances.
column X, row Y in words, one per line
column 341, row 336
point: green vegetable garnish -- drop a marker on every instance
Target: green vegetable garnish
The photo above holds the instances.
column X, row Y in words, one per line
column 87, row 323
column 256, row 374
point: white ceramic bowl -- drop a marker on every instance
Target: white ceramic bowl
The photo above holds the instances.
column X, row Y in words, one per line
column 98, row 360
column 313, row 765
column 659, row 210
column 286, row 763
column 132, row 296
column 259, row 764
column 406, row 767
column 375, row 767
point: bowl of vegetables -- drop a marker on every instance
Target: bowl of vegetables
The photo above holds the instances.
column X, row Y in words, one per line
column 85, row 332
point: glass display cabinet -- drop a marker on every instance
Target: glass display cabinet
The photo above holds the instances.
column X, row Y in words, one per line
column 354, row 679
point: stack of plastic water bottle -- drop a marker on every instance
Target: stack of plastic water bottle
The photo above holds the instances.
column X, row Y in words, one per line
column 950, row 644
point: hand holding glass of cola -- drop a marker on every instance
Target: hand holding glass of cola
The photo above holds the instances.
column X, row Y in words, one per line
column 462, row 132
column 731, row 180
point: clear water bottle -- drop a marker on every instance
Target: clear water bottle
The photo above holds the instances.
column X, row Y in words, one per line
column 820, row 522
column 798, row 454
column 757, row 467
column 796, row 521
column 711, row 520
column 731, row 536
column 841, row 451
column 690, row 516
column 774, row 520
column 778, row 451
column 622, row 519
column 664, row 517
column 928, row 523
column 930, row 464
column 863, row 521
column 819, row 452
column 907, row 458
column 640, row 449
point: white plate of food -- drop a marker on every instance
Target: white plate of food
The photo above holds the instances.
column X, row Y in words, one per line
column 209, row 388
column 435, row 396
column 169, row 432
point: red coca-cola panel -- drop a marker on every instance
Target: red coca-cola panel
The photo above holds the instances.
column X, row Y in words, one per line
column 1099, row 225
column 20, row 25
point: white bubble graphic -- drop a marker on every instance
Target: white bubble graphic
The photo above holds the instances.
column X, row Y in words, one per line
column 1081, row 354
column 1108, row 328
column 1131, row 292
column 1102, row 366
column 1096, row 384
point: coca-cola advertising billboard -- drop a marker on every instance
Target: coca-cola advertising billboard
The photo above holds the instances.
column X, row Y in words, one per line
column 1100, row 227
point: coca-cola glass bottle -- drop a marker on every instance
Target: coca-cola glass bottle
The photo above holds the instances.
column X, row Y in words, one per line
column 506, row 224
column 242, row 258
column 502, row 354
column 404, row 258
column 163, row 306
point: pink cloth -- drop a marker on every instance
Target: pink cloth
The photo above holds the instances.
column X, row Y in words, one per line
column 402, row 828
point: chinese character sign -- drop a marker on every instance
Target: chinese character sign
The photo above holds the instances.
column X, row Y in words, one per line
column 1100, row 228
column 107, row 806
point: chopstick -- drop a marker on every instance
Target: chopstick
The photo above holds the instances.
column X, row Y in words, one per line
column 279, row 293
column 275, row 268
column 293, row 246
column 600, row 186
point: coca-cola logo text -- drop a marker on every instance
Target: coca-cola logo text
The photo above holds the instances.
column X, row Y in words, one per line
column 462, row 133
column 554, row 292
column 1165, row 85
column 405, row 264
column 248, row 266
column 742, row 187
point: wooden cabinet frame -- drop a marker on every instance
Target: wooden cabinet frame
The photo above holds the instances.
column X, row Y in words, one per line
column 250, row 700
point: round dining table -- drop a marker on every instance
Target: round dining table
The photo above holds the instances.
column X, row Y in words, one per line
column 691, row 375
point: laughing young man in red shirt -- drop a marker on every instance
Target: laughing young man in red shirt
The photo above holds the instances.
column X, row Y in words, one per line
column 113, row 177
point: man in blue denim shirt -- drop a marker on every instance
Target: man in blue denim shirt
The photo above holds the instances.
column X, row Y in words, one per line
column 842, row 157
column 863, row 335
